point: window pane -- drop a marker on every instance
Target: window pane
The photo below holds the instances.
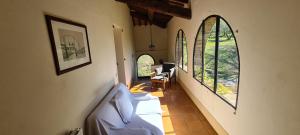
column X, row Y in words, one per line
column 180, row 48
column 198, row 56
column 185, row 53
column 209, row 52
column 228, row 64
column 177, row 51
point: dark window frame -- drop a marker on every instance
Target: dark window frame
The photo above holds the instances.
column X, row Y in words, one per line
column 182, row 52
column 218, row 18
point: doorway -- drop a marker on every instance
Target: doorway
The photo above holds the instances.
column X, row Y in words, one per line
column 119, row 54
column 144, row 63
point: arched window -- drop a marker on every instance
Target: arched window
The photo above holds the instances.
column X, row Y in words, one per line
column 181, row 53
column 216, row 62
column 144, row 63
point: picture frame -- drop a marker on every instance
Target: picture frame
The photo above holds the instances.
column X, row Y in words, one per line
column 69, row 43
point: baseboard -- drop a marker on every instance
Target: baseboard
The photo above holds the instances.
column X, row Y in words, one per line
column 213, row 122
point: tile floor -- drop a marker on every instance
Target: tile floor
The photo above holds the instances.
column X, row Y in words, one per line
column 180, row 114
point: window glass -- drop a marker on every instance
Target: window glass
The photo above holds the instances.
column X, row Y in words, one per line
column 179, row 48
column 209, row 52
column 228, row 64
column 177, row 51
column 181, row 51
column 185, row 54
column 197, row 73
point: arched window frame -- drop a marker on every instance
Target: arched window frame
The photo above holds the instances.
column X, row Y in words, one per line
column 202, row 28
column 181, row 47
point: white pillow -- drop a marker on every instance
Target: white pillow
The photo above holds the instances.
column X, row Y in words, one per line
column 158, row 70
column 124, row 106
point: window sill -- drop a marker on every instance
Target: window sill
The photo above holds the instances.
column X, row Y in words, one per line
column 183, row 69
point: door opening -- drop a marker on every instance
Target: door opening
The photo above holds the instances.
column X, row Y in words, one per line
column 144, row 63
column 119, row 54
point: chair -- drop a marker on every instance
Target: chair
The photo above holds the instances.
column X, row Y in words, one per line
column 166, row 70
column 162, row 80
column 170, row 69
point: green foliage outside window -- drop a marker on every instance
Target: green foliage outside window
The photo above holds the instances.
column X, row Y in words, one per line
column 144, row 65
column 185, row 55
column 209, row 54
column 198, row 72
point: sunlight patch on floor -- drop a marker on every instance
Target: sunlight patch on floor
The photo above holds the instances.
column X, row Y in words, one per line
column 170, row 134
column 167, row 122
column 140, row 88
column 146, row 88
column 137, row 90
column 165, row 110
column 158, row 93
column 139, row 85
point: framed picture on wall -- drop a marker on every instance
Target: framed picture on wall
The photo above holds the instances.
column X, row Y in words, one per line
column 70, row 45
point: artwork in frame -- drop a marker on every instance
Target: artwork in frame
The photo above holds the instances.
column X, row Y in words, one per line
column 70, row 45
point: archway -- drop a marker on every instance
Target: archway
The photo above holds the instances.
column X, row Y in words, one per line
column 144, row 63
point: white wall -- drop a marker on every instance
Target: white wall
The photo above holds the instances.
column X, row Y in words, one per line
column 33, row 99
column 159, row 39
column 268, row 41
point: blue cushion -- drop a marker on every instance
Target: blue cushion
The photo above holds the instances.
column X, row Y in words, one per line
column 110, row 114
column 125, row 90
column 124, row 106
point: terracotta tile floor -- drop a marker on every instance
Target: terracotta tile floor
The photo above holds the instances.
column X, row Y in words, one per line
column 180, row 114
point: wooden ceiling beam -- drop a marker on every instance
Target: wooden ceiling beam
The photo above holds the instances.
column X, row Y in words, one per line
column 162, row 17
column 162, row 7
column 146, row 18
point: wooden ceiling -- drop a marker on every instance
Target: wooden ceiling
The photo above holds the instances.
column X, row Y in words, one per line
column 157, row 12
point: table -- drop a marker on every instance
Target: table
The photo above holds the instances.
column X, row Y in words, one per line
column 160, row 80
